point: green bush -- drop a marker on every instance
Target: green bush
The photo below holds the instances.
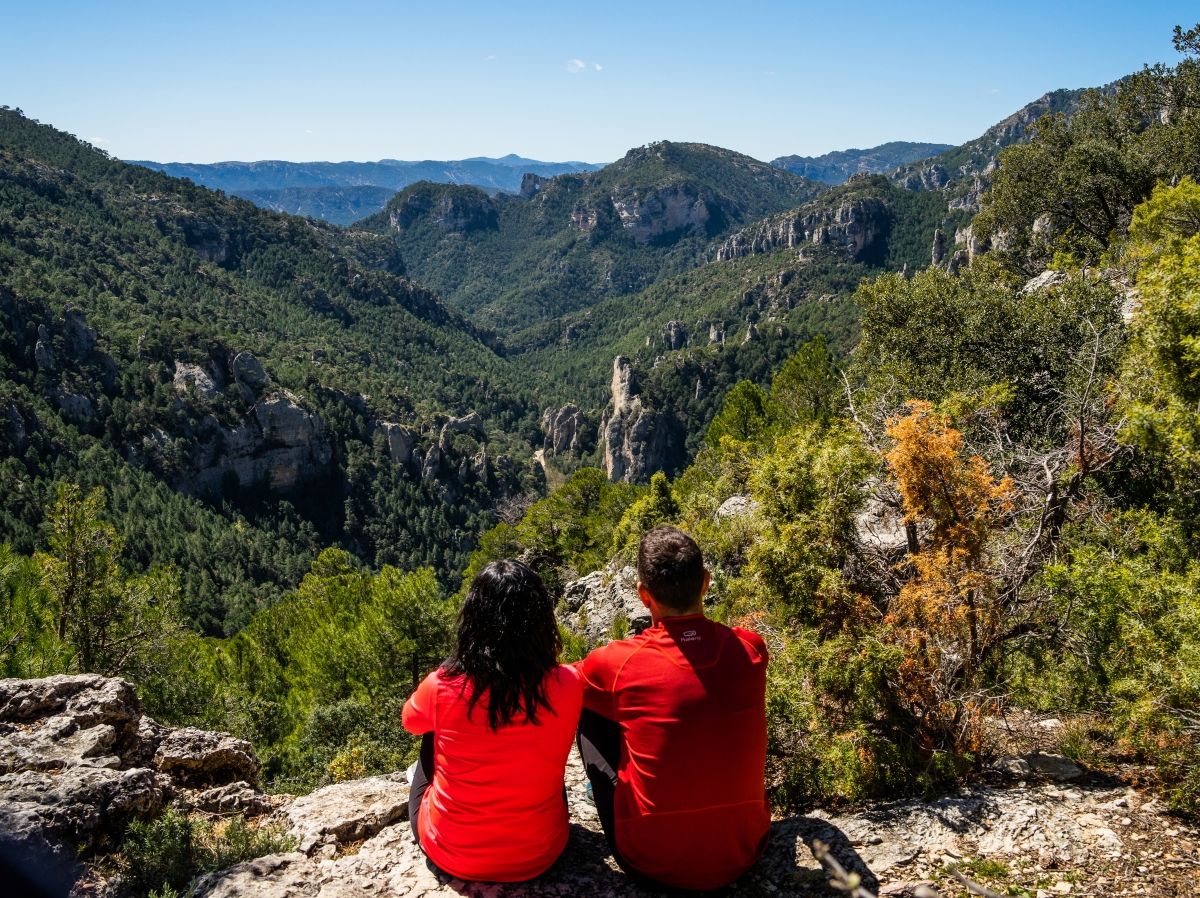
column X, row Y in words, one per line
column 164, row 856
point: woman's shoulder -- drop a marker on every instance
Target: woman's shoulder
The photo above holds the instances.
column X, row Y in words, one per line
column 566, row 677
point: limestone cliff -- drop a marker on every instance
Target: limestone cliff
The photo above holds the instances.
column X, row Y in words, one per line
column 853, row 227
column 636, row 439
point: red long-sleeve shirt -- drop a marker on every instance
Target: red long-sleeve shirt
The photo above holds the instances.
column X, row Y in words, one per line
column 494, row 809
column 689, row 694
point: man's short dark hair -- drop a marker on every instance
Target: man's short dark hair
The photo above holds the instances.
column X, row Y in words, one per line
column 671, row 566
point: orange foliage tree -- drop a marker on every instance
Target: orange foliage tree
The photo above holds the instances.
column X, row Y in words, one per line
column 947, row 617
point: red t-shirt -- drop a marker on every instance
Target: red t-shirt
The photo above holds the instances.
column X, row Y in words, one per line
column 690, row 697
column 494, row 809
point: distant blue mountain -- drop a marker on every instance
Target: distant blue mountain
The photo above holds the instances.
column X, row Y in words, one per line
column 342, row 192
column 838, row 166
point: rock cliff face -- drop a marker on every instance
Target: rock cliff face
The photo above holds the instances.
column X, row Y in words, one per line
column 651, row 215
column 452, row 208
column 962, row 172
column 637, row 440
column 566, row 430
column 853, row 228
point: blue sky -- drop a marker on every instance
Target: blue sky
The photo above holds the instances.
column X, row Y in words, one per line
column 445, row 80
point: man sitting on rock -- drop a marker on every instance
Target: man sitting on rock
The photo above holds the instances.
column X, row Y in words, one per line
column 673, row 733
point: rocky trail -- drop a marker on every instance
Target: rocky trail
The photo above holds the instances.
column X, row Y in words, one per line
column 78, row 760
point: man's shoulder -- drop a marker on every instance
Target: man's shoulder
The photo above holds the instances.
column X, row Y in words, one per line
column 750, row 639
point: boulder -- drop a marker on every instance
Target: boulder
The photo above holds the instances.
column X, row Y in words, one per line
column 347, row 812
column 592, row 604
column 196, row 757
column 249, row 374
column 79, row 804
column 194, row 380
column 737, row 507
column 233, row 798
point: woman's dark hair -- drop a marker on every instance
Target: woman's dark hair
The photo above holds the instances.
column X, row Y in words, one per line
column 507, row 641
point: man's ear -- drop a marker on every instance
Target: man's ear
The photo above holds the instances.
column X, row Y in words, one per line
column 707, row 581
column 644, row 594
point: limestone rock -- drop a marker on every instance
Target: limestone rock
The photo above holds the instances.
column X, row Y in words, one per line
column 737, row 507
column 43, row 355
column 637, row 440
column 675, row 335
column 668, row 211
column 280, row 444
column 232, row 798
column 197, row 757
column 939, row 246
column 400, row 442
column 347, row 812
column 249, row 374
column 78, row 337
column 78, row 804
column 853, row 228
column 75, row 407
column 531, row 184
column 1054, row 767
column 432, row 467
column 14, row 426
column 564, row 429
column 593, row 603
column 193, row 379
column 471, row 424
column 1047, row 280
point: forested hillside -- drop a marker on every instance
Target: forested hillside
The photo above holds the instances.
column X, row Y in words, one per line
column 235, row 378
column 564, row 243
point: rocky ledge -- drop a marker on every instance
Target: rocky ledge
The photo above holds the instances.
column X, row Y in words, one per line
column 79, row 760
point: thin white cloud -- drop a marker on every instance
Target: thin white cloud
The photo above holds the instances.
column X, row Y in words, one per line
column 576, row 66
column 97, row 141
column 599, row 68
column 308, row 130
column 489, row 57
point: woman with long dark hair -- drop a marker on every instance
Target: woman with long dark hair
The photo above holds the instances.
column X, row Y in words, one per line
column 497, row 720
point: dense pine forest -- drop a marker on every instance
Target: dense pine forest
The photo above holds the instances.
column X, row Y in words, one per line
column 248, row 459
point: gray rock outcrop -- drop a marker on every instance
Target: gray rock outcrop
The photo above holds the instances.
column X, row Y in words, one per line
column 675, row 335
column 401, row 441
column 591, row 605
column 280, row 444
column 565, row 430
column 637, row 440
column 79, row 761
column 675, row 209
column 194, row 380
column 250, row 375
column 352, row 846
column 195, row 757
column 853, row 228
column 531, row 184
column 471, row 424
